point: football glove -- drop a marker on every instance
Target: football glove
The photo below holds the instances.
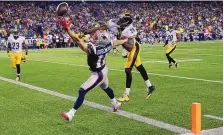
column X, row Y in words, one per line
column 66, row 25
column 173, row 43
column 24, row 58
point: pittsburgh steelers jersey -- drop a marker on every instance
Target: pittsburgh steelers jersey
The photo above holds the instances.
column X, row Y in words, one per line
column 16, row 44
column 171, row 36
column 129, row 31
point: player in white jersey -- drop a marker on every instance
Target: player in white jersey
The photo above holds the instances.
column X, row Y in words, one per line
column 15, row 44
column 128, row 31
column 97, row 49
column 172, row 37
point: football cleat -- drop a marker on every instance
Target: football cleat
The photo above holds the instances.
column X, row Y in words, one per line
column 124, row 56
column 170, row 65
column 115, row 51
column 17, row 79
column 66, row 116
column 150, row 90
column 176, row 65
column 117, row 106
column 123, row 99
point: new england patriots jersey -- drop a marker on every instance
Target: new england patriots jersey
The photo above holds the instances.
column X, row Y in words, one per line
column 96, row 56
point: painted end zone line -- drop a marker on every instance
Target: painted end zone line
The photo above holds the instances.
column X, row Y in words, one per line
column 214, row 117
column 129, row 115
column 161, row 61
column 215, row 131
column 172, row 76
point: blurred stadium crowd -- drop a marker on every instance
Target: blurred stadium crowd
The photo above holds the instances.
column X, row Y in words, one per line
column 38, row 21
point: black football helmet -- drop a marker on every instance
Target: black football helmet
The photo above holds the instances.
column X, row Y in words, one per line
column 124, row 21
column 15, row 34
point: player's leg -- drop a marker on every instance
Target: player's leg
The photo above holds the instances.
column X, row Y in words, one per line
column 171, row 59
column 141, row 69
column 110, row 93
column 131, row 58
column 168, row 56
column 13, row 58
column 18, row 62
column 95, row 80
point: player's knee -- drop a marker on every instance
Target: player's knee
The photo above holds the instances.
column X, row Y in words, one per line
column 82, row 91
column 104, row 86
column 140, row 68
column 17, row 65
column 128, row 70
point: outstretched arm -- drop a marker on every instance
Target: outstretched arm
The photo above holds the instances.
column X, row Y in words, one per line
column 104, row 27
column 119, row 42
column 79, row 41
column 165, row 43
column 75, row 37
column 178, row 37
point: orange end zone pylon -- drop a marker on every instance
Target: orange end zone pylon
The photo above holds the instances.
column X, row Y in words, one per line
column 196, row 118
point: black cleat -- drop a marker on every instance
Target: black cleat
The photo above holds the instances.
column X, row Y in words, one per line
column 176, row 65
column 150, row 90
column 125, row 56
column 170, row 65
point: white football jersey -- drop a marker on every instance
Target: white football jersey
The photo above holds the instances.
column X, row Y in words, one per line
column 16, row 44
column 129, row 31
column 112, row 29
column 171, row 36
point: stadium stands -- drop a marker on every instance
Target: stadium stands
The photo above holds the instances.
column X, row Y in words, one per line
column 200, row 21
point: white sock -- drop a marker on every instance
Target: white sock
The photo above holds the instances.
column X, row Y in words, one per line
column 124, row 53
column 127, row 92
column 148, row 83
column 113, row 101
column 72, row 111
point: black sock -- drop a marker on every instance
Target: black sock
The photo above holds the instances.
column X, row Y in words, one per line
column 128, row 77
column 80, row 98
column 172, row 60
column 143, row 72
column 168, row 58
column 18, row 70
column 109, row 92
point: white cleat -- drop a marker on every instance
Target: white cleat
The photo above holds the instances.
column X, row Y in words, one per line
column 117, row 106
column 17, row 79
column 67, row 116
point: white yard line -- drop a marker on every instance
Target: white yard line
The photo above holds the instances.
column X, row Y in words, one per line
column 214, row 117
column 214, row 131
column 172, row 76
column 179, row 60
column 126, row 114
column 183, row 53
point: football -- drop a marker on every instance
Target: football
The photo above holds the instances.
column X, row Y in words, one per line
column 62, row 9
column 129, row 44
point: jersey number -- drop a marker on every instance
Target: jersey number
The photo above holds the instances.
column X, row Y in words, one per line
column 170, row 38
column 132, row 30
column 15, row 45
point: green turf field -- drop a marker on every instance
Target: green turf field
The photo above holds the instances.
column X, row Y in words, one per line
column 198, row 79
